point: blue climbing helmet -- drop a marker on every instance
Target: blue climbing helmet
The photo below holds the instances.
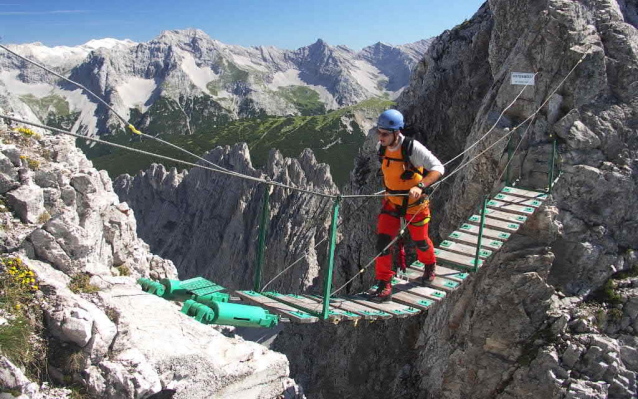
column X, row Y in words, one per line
column 390, row 120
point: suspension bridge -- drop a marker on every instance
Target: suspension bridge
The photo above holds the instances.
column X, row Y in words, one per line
column 464, row 251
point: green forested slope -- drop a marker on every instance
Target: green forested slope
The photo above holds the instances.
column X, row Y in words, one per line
column 333, row 140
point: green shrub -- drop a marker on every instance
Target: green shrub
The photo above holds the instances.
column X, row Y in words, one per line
column 627, row 273
column 610, row 295
column 124, row 270
column 614, row 314
column 81, row 283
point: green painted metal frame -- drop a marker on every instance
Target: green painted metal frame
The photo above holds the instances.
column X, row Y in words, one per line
column 480, row 235
column 327, row 281
column 263, row 227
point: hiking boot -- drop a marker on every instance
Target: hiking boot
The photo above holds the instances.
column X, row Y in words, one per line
column 384, row 292
column 428, row 274
column 374, row 290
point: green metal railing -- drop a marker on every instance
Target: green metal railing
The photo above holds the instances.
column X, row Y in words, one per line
column 480, row 235
column 327, row 281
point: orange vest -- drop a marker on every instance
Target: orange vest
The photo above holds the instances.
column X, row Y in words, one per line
column 393, row 166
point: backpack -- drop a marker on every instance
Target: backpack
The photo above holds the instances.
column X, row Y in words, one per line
column 406, row 150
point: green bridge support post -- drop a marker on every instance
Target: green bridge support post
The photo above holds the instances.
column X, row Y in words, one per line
column 552, row 163
column 327, row 280
column 480, row 235
column 263, row 227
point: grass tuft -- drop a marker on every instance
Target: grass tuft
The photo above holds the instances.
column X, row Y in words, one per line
column 81, row 283
column 20, row 336
column 124, row 270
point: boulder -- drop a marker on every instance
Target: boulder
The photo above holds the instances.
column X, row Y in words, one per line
column 27, row 201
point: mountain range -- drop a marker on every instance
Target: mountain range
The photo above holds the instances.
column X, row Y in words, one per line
column 183, row 81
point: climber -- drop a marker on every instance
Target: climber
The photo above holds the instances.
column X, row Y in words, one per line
column 408, row 168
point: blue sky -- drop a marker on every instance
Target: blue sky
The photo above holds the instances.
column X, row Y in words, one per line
column 286, row 24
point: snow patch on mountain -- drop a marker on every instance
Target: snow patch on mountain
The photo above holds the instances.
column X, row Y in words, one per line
column 76, row 99
column 247, row 62
column 65, row 57
column 198, row 75
column 135, row 92
column 367, row 76
column 108, row 43
column 15, row 86
column 79, row 102
column 287, row 78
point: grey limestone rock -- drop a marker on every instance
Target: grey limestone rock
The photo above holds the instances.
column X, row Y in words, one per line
column 207, row 223
column 11, row 377
column 28, row 202
column 127, row 343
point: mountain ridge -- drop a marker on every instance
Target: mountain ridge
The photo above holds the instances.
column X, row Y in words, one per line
column 144, row 81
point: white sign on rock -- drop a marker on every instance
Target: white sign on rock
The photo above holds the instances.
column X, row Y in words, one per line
column 521, row 78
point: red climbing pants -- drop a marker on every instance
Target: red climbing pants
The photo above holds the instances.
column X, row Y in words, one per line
column 388, row 228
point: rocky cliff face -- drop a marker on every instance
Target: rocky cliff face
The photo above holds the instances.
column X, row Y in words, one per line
column 553, row 314
column 61, row 221
column 208, row 222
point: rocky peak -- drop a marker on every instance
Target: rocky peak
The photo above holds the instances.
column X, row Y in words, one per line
column 179, row 36
column 175, row 212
